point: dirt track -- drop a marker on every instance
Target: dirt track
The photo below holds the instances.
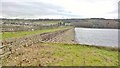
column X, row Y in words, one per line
column 66, row 37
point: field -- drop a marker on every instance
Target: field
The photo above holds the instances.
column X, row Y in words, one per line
column 47, row 22
column 58, row 54
column 24, row 33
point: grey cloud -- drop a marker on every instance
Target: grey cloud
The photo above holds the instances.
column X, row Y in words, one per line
column 115, row 11
column 31, row 9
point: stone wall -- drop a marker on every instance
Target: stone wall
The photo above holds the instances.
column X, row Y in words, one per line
column 11, row 45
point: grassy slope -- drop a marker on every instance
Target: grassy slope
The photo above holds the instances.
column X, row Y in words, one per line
column 51, row 54
column 24, row 33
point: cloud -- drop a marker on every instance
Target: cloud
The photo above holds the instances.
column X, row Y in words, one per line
column 30, row 8
column 59, row 8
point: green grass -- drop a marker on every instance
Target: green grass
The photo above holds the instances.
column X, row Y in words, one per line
column 79, row 55
column 24, row 33
column 58, row 54
column 47, row 22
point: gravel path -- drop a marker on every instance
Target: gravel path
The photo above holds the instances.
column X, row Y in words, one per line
column 66, row 37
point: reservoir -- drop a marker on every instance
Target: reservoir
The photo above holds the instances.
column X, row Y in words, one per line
column 97, row 37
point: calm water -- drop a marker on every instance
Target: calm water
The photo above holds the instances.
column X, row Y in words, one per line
column 98, row 37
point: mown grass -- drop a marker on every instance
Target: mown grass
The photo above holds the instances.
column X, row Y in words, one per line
column 24, row 33
column 58, row 54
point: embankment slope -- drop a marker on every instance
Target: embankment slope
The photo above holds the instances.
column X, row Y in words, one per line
column 61, row 54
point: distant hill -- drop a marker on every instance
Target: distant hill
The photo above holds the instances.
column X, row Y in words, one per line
column 87, row 23
column 95, row 23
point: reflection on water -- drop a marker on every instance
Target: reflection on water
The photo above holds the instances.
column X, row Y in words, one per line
column 101, row 37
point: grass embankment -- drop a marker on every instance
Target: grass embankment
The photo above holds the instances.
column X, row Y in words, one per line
column 51, row 54
column 24, row 33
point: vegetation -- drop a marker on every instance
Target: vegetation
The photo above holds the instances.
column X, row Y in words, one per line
column 24, row 33
column 59, row 54
column 47, row 22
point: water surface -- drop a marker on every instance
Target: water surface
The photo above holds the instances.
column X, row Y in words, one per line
column 98, row 37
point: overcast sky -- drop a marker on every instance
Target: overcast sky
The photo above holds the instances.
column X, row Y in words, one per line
column 55, row 9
